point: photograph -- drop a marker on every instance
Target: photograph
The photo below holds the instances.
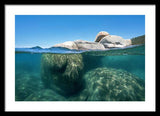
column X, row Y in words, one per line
column 79, row 57
column 87, row 58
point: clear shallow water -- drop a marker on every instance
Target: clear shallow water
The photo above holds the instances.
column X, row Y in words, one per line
column 58, row 74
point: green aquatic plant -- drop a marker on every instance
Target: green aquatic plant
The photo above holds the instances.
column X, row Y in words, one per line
column 88, row 76
column 62, row 72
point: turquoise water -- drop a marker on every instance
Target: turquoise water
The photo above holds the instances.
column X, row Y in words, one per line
column 59, row 74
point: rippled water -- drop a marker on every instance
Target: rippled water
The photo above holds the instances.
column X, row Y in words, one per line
column 58, row 74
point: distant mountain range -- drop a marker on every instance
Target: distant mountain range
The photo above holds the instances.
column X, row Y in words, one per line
column 37, row 47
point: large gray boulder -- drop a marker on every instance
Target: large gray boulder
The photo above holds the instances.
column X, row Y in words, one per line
column 85, row 45
column 109, row 84
column 102, row 41
column 68, row 44
column 112, row 41
column 100, row 35
column 81, row 45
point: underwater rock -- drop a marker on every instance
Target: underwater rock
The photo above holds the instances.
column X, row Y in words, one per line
column 108, row 84
column 26, row 84
column 45, row 95
column 62, row 72
column 100, row 35
column 112, row 41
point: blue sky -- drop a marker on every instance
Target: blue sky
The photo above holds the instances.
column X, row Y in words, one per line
column 48, row 30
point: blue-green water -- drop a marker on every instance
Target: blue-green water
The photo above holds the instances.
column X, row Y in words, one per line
column 66, row 75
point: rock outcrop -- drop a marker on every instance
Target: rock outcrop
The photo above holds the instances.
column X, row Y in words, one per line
column 81, row 45
column 113, row 41
column 85, row 45
column 62, row 72
column 102, row 41
column 68, row 44
column 109, row 84
column 100, row 35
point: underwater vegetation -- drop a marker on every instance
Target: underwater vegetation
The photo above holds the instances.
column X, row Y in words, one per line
column 62, row 72
column 99, row 84
column 109, row 84
column 88, row 76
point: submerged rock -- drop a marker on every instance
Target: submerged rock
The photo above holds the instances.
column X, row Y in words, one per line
column 108, row 84
column 62, row 72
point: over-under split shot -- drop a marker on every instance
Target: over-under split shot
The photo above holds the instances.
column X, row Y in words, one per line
column 79, row 57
